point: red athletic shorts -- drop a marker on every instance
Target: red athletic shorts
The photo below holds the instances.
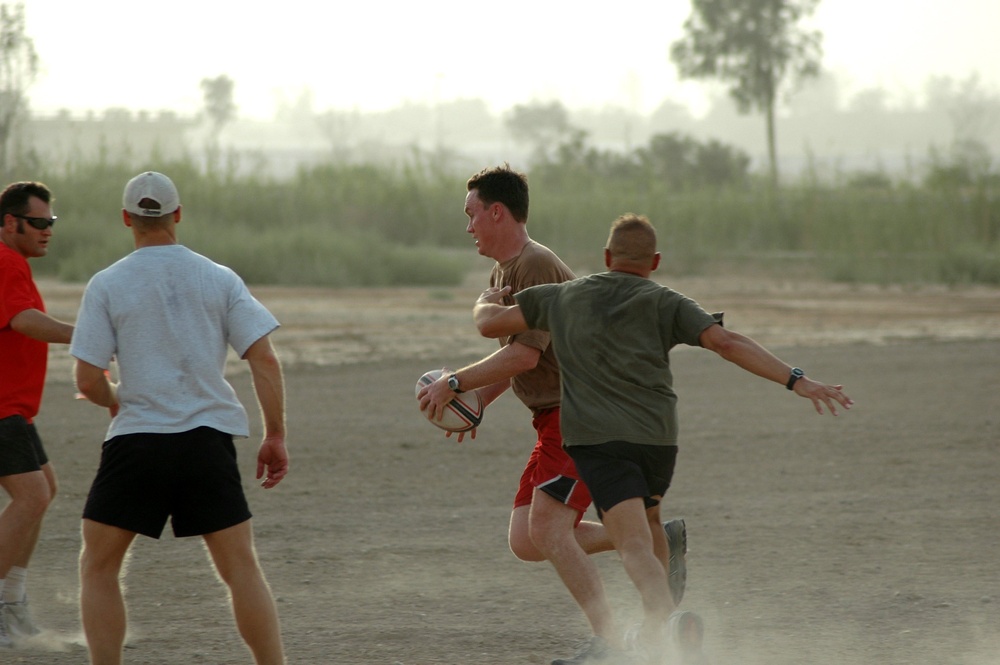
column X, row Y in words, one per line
column 550, row 469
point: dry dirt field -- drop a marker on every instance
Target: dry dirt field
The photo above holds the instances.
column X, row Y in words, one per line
column 867, row 539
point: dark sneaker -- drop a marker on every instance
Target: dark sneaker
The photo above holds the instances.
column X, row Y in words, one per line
column 5, row 641
column 595, row 652
column 19, row 623
column 676, row 532
column 687, row 631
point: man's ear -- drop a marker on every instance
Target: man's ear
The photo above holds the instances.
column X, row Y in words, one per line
column 656, row 262
column 607, row 257
column 126, row 218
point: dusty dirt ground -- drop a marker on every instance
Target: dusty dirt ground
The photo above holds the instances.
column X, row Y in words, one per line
column 871, row 538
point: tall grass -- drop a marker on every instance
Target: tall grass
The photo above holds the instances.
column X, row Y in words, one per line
column 368, row 225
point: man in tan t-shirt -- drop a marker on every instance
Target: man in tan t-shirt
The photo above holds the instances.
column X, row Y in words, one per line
column 546, row 522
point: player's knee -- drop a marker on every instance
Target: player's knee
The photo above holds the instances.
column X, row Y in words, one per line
column 35, row 504
column 551, row 540
column 96, row 566
column 525, row 550
column 239, row 571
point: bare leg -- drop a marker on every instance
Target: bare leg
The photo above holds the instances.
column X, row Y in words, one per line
column 256, row 616
column 21, row 521
column 550, row 528
column 631, row 528
column 102, row 607
column 591, row 536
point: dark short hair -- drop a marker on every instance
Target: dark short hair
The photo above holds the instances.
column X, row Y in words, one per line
column 14, row 199
column 502, row 184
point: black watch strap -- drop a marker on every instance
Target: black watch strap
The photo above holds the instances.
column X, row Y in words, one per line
column 793, row 377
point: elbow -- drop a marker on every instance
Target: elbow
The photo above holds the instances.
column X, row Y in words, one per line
column 486, row 325
column 725, row 349
column 264, row 363
column 86, row 385
column 486, row 330
column 720, row 341
column 527, row 363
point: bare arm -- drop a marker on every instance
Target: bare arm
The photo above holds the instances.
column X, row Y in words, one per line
column 38, row 325
column 269, row 385
column 93, row 383
column 751, row 356
column 496, row 320
column 490, row 376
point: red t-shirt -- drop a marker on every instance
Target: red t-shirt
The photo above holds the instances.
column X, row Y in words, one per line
column 23, row 360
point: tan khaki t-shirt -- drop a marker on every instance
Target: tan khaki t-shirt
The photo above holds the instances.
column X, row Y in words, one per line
column 538, row 388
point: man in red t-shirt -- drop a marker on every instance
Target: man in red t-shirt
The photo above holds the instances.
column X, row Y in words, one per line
column 25, row 332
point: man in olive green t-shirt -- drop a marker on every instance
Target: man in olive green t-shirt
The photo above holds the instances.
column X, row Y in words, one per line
column 612, row 333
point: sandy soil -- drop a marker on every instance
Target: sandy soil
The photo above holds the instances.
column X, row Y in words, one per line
column 870, row 538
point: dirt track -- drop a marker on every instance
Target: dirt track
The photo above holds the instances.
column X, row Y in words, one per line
column 867, row 539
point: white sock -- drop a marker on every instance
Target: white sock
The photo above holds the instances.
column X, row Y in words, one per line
column 13, row 588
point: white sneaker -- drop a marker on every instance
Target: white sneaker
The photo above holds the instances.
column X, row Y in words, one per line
column 638, row 651
column 18, row 619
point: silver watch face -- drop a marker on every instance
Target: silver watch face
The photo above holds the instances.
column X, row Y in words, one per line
column 453, row 382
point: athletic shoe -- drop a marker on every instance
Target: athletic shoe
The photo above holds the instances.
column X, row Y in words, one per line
column 5, row 641
column 676, row 532
column 638, row 652
column 19, row 623
column 594, row 652
column 687, row 631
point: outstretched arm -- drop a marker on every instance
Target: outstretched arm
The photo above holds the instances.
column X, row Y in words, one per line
column 38, row 325
column 269, row 385
column 751, row 356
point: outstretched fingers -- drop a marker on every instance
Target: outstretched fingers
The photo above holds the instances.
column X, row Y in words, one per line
column 831, row 396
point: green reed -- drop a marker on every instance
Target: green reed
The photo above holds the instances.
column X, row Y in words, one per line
column 403, row 224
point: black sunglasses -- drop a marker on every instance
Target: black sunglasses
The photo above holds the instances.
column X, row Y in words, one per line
column 40, row 223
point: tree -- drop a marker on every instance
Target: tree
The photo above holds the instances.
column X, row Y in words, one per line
column 543, row 126
column 18, row 70
column 220, row 109
column 754, row 45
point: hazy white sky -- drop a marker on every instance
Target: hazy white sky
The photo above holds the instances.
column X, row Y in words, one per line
column 374, row 54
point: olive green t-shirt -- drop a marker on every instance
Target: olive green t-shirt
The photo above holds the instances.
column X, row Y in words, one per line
column 537, row 388
column 612, row 333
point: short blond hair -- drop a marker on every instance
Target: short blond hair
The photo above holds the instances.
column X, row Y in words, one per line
column 632, row 239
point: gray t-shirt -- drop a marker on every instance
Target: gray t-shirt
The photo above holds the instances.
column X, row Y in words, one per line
column 612, row 333
column 168, row 316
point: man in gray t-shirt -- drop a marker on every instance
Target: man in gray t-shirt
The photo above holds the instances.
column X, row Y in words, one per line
column 168, row 317
column 612, row 333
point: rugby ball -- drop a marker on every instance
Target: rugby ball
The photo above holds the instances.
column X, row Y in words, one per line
column 462, row 414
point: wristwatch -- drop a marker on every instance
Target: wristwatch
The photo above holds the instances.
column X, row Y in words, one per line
column 795, row 376
column 453, row 383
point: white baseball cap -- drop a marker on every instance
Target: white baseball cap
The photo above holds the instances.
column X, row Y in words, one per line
column 155, row 187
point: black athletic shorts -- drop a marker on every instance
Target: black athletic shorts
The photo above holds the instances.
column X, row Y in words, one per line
column 20, row 447
column 620, row 470
column 191, row 477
